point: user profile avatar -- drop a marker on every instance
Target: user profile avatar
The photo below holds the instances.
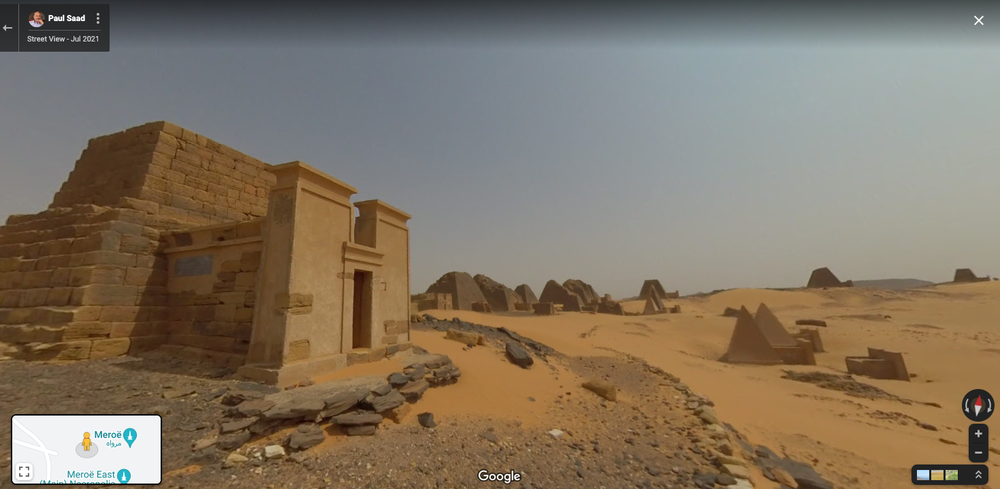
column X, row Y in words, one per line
column 36, row 19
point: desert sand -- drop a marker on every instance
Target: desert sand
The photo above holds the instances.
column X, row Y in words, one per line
column 946, row 333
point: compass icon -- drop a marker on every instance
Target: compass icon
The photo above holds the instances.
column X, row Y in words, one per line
column 978, row 405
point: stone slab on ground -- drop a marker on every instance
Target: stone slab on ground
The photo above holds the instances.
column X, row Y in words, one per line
column 414, row 390
column 327, row 390
column 381, row 404
column 362, row 430
column 357, row 418
column 342, row 401
column 804, row 474
column 306, row 436
column 518, row 355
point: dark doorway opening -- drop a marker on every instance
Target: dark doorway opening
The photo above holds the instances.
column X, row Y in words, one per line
column 362, row 327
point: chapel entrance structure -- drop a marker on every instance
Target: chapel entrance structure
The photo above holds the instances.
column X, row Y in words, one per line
column 164, row 239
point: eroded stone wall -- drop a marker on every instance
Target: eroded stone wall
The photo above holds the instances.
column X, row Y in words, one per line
column 212, row 286
column 180, row 178
column 81, row 282
column 87, row 278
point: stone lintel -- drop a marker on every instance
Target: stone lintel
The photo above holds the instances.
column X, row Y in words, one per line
column 354, row 252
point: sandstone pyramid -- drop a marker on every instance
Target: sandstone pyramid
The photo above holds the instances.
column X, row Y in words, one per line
column 526, row 294
column 461, row 286
column 823, row 277
column 966, row 275
column 582, row 289
column 772, row 328
column 499, row 296
column 748, row 343
column 98, row 247
column 650, row 287
column 653, row 305
column 557, row 294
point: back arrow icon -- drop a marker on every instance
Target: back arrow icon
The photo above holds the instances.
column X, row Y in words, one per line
column 7, row 28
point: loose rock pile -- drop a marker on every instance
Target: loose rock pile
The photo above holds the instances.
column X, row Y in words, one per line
column 733, row 455
column 518, row 349
column 357, row 406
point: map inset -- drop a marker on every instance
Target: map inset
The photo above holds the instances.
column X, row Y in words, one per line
column 86, row 449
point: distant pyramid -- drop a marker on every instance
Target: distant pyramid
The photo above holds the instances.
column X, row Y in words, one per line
column 526, row 294
column 966, row 275
column 652, row 286
column 461, row 286
column 649, row 286
column 823, row 277
column 748, row 343
column 499, row 296
column 582, row 289
column 557, row 294
column 651, row 306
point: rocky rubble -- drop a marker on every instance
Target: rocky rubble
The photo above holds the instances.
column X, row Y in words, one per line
column 658, row 434
column 356, row 406
column 517, row 348
column 728, row 452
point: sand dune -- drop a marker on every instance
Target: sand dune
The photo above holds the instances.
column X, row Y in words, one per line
column 947, row 333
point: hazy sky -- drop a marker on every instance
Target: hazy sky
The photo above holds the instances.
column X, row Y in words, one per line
column 715, row 156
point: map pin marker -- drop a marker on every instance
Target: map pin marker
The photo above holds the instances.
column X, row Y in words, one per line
column 124, row 476
column 129, row 437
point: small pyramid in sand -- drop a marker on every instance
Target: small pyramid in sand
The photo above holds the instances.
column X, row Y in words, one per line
column 772, row 328
column 653, row 305
column 748, row 343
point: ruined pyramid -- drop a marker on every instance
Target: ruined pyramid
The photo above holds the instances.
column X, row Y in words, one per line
column 772, row 328
column 748, row 343
column 967, row 275
column 557, row 294
column 823, row 277
column 462, row 288
column 526, row 294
